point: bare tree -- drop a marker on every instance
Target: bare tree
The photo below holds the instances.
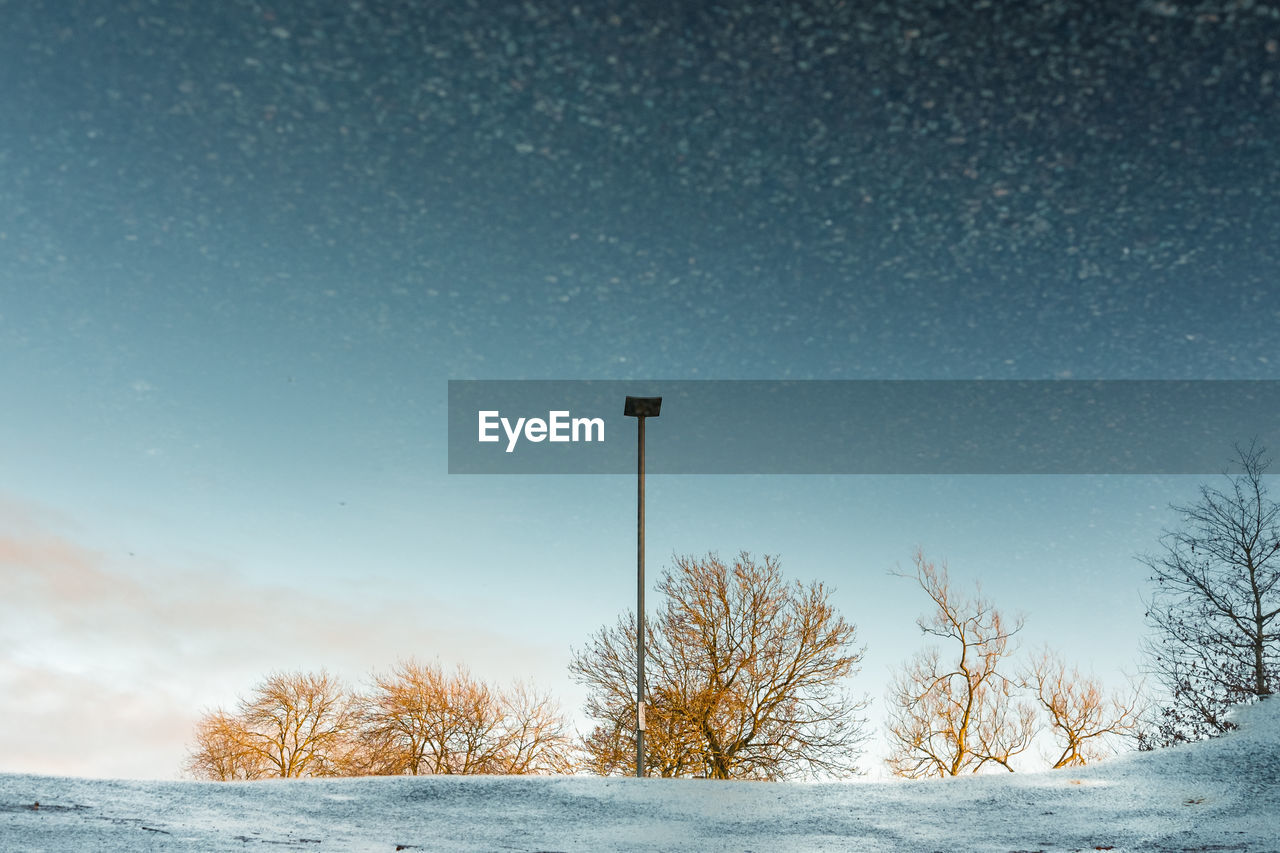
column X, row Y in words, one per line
column 957, row 715
column 1086, row 722
column 1213, row 611
column 608, row 667
column 421, row 720
column 537, row 734
column 222, row 752
column 292, row 725
column 745, row 675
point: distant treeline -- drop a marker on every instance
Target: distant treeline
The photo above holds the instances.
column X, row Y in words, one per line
column 747, row 677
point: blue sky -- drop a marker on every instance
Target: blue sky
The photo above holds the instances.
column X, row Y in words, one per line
column 243, row 248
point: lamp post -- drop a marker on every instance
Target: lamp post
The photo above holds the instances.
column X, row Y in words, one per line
column 640, row 408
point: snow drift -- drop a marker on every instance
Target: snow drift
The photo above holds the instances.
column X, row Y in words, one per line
column 1218, row 795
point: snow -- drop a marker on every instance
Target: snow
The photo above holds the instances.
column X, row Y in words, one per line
column 1222, row 794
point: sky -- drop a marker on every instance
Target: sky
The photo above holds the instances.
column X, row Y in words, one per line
column 244, row 247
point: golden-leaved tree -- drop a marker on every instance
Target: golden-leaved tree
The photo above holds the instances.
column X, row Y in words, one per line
column 1087, row 722
column 292, row 725
column 954, row 710
column 746, row 677
column 415, row 720
column 422, row 720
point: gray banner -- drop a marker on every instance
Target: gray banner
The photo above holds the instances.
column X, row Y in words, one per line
column 860, row 427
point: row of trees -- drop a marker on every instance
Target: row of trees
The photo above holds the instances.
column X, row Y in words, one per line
column 417, row 719
column 748, row 678
column 1214, row 615
column 1214, row 644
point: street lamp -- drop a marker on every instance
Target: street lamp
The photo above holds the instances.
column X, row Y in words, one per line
column 640, row 408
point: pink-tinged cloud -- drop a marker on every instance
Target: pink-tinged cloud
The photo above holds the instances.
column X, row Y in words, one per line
column 106, row 663
column 62, row 569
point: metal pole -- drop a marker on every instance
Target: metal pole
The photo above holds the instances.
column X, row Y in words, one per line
column 640, row 408
column 640, row 608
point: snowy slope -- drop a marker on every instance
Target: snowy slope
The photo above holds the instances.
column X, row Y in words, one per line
column 1218, row 795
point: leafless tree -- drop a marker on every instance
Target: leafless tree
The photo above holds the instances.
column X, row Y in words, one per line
column 422, row 720
column 746, row 678
column 418, row 719
column 292, row 725
column 1086, row 722
column 222, row 752
column 957, row 714
column 1216, row 639
column 537, row 734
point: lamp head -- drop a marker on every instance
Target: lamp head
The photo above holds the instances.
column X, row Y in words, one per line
column 642, row 407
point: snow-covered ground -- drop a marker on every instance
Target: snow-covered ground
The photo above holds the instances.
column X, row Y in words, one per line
column 1218, row 795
